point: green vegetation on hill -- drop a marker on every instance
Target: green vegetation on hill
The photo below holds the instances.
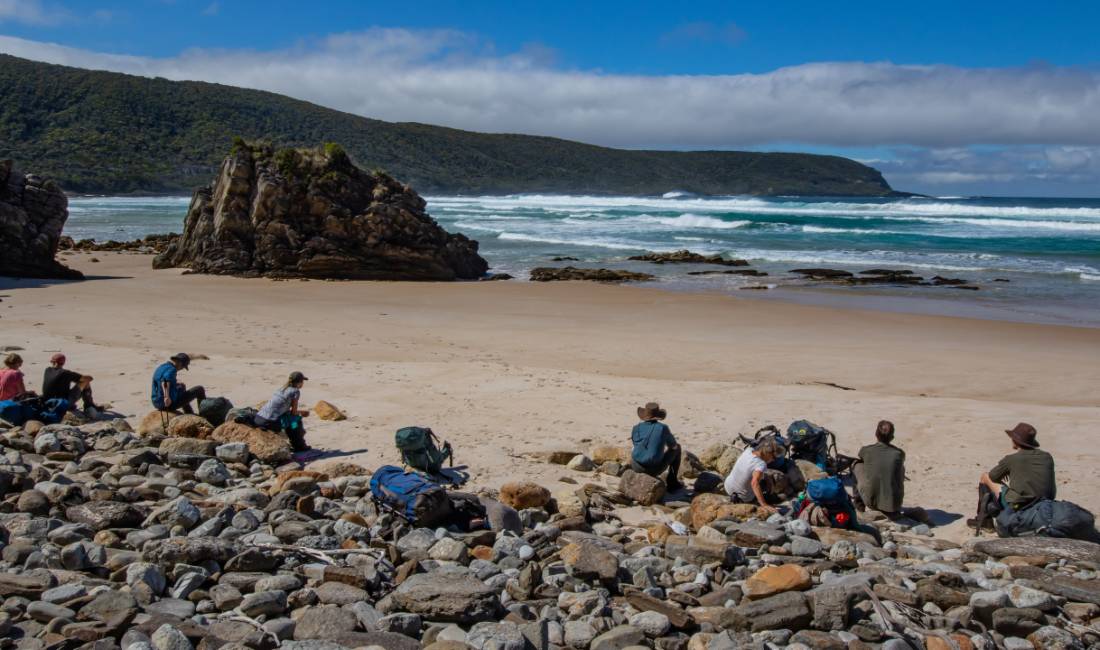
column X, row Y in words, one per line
column 106, row 132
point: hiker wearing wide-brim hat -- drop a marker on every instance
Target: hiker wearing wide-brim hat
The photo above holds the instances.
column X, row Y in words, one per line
column 655, row 448
column 168, row 394
column 651, row 411
column 1029, row 471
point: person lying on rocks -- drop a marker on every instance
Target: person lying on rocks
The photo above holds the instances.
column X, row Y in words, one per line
column 1030, row 471
column 880, row 473
column 58, row 382
column 281, row 412
column 168, row 393
column 655, row 448
column 748, row 481
column 11, row 379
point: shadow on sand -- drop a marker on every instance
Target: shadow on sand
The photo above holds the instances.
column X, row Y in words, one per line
column 942, row 517
column 7, row 283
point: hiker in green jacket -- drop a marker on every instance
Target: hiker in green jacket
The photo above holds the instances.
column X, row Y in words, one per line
column 1030, row 471
column 880, row 474
column 655, row 449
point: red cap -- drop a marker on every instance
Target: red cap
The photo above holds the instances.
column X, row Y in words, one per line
column 58, row 359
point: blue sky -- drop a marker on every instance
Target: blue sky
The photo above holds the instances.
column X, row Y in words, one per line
column 948, row 98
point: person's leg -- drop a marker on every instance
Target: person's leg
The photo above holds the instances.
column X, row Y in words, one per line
column 196, row 394
column 672, row 458
column 295, row 432
column 642, row 469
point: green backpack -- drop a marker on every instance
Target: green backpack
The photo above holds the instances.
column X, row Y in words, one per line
column 419, row 451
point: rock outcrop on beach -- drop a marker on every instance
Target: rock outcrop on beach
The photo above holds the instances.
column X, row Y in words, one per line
column 314, row 214
column 112, row 539
column 33, row 210
column 553, row 274
column 687, row 257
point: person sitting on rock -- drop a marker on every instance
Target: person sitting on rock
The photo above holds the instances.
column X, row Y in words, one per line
column 11, row 379
column 747, row 482
column 171, row 395
column 880, row 472
column 57, row 382
column 1030, row 471
column 655, row 449
column 281, row 412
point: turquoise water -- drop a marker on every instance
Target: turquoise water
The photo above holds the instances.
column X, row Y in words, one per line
column 1047, row 249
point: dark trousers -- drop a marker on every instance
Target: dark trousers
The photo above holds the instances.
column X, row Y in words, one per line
column 670, row 461
column 79, row 394
column 188, row 395
column 289, row 424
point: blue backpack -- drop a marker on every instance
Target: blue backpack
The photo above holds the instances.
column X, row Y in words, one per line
column 829, row 493
column 50, row 411
column 410, row 496
column 15, row 412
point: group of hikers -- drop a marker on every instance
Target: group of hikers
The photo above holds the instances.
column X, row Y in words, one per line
column 280, row 413
column 1018, row 493
column 62, row 389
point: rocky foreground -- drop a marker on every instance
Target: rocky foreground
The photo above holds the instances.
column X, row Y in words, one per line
column 314, row 214
column 195, row 536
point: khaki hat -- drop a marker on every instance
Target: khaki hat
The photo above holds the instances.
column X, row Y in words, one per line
column 651, row 411
column 1023, row 434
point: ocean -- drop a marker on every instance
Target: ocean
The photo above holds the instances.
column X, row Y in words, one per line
column 1035, row 259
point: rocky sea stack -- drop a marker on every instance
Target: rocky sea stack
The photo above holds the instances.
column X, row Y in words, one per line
column 312, row 213
column 33, row 211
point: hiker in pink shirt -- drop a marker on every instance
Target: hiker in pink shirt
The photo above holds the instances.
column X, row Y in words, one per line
column 11, row 378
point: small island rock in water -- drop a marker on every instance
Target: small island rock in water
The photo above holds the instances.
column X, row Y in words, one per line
column 313, row 213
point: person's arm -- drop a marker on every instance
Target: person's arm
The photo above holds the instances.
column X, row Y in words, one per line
column 294, row 405
column 166, row 392
column 670, row 440
column 757, row 476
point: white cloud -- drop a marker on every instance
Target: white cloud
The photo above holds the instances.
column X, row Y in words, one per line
column 211, row 9
column 30, row 12
column 1041, row 123
column 452, row 78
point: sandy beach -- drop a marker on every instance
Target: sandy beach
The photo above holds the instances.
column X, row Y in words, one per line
column 503, row 369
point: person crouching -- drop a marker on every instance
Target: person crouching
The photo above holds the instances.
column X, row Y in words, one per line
column 747, row 481
column 281, row 413
column 655, row 448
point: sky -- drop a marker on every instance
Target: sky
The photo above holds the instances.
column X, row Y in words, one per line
column 945, row 98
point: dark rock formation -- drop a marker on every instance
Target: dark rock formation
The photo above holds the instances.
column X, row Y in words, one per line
column 549, row 274
column 822, row 274
column 749, row 272
column 147, row 244
column 312, row 213
column 33, row 211
column 686, row 257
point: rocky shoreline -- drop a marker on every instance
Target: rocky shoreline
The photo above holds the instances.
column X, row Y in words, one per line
column 195, row 536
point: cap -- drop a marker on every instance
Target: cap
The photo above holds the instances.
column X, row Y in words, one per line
column 297, row 376
column 182, row 358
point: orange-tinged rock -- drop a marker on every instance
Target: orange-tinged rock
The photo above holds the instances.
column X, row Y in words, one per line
column 706, row 508
column 335, row 468
column 482, row 553
column 281, row 479
column 772, row 580
column 189, row 426
column 657, row 533
column 153, row 423
column 608, row 454
column 270, row 447
column 524, row 494
column 326, row 411
column 355, row 518
column 956, row 642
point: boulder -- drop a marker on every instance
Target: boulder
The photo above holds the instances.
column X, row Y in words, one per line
column 610, row 454
column 699, row 551
column 706, row 508
column 642, row 489
column 268, row 446
column 187, row 446
column 687, row 257
column 783, row 611
column 326, row 411
column 524, row 494
column 101, row 515
column 450, row 598
column 772, row 580
column 153, row 423
column 1073, row 550
column 189, row 426
column 590, row 561
column 551, row 274
column 314, row 214
column 33, row 211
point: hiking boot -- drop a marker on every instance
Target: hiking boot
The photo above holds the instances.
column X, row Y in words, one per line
column 987, row 524
column 673, row 486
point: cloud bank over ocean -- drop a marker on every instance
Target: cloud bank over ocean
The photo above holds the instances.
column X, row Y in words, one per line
column 936, row 125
